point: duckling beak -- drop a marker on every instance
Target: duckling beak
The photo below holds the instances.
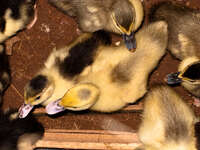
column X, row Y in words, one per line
column 173, row 78
column 80, row 97
column 130, row 41
column 24, row 110
column 54, row 108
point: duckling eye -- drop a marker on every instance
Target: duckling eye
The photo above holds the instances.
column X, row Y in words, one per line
column 37, row 98
column 58, row 105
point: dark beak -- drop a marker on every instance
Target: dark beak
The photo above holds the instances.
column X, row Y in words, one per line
column 130, row 41
column 173, row 78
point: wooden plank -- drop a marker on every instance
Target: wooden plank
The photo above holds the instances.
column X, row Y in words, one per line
column 88, row 139
column 135, row 107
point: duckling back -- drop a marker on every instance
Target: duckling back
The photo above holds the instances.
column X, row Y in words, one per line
column 183, row 26
column 122, row 76
column 167, row 123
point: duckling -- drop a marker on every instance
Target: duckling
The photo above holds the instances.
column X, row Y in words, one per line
column 15, row 15
column 4, row 71
column 18, row 134
column 61, row 70
column 188, row 75
column 118, row 77
column 119, row 16
column 167, row 122
column 183, row 42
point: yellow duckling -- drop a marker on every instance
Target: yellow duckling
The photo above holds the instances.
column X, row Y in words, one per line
column 119, row 16
column 61, row 70
column 118, row 77
column 167, row 122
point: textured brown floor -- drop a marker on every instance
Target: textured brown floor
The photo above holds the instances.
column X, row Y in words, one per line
column 54, row 29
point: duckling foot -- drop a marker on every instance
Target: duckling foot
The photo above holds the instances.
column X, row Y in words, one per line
column 196, row 102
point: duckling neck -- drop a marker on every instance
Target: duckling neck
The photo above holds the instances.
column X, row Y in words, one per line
column 60, row 84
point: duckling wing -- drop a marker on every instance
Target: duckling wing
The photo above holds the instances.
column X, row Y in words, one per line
column 183, row 25
column 92, row 15
column 64, row 5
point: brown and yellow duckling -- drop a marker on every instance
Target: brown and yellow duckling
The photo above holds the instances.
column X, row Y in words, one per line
column 167, row 122
column 62, row 69
column 118, row 16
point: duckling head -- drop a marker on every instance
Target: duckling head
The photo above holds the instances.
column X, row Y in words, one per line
column 127, row 17
column 15, row 16
column 80, row 97
column 37, row 91
column 189, row 72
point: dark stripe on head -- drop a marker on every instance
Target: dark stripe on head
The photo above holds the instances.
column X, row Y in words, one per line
column 124, row 13
column 38, row 83
column 82, row 54
column 193, row 72
column 35, row 86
